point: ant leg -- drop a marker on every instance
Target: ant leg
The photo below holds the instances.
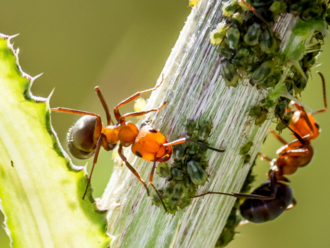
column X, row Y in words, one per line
column 254, row 11
column 97, row 150
column 132, row 114
column 133, row 97
column 264, row 157
column 277, row 136
column 80, row 112
column 305, row 117
column 273, row 182
column 104, row 104
column 294, row 133
column 292, row 205
column 324, row 96
column 130, row 167
column 183, row 140
column 151, row 180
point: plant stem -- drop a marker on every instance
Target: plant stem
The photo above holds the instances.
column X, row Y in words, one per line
column 194, row 89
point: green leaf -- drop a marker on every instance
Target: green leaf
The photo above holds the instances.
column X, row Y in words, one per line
column 40, row 190
column 303, row 28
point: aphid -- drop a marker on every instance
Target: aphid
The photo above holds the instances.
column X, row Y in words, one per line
column 265, row 70
column 88, row 135
column 265, row 203
column 260, row 114
column 217, row 35
column 229, row 74
column 252, row 35
column 233, row 35
column 304, row 123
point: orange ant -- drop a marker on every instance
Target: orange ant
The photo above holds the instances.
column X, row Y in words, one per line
column 291, row 156
column 88, row 135
column 304, row 123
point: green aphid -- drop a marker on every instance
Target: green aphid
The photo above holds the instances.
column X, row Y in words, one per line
column 172, row 206
column 267, row 103
column 191, row 188
column 246, row 148
column 193, row 148
column 242, row 53
column 278, row 8
column 286, row 120
column 281, row 108
column 229, row 74
column 184, row 202
column 225, row 238
column 196, row 173
column 178, row 191
column 259, row 3
column 255, row 111
column 204, row 131
column 168, row 191
column 179, row 152
column 163, row 170
column 238, row 17
column 265, row 70
column 273, row 80
column 226, row 52
column 190, row 127
column 300, row 84
column 229, row 8
column 217, row 35
column 177, row 173
column 155, row 200
column 252, row 35
column 261, row 118
column 315, row 11
column 247, row 158
column 232, row 37
column 268, row 43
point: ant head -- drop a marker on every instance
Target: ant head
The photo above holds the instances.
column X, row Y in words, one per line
column 81, row 137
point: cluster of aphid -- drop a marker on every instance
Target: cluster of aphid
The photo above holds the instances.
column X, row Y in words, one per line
column 250, row 49
column 249, row 46
column 187, row 171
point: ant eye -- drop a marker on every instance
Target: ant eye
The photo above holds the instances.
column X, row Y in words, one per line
column 317, row 126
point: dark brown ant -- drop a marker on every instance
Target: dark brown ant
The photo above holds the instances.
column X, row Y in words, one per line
column 265, row 203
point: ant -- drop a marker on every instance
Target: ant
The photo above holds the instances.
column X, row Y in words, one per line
column 271, row 198
column 304, row 123
column 297, row 153
column 88, row 135
column 265, row 203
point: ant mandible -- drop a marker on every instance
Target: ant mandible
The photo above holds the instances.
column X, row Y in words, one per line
column 88, row 135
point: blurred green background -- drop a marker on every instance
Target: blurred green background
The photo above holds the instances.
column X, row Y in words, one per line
column 122, row 46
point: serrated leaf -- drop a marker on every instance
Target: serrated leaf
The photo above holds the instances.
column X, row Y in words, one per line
column 40, row 190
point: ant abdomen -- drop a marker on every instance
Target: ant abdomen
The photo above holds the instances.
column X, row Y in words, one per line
column 260, row 211
column 80, row 137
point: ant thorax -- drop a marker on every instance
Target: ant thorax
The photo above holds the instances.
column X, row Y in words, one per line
column 125, row 132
